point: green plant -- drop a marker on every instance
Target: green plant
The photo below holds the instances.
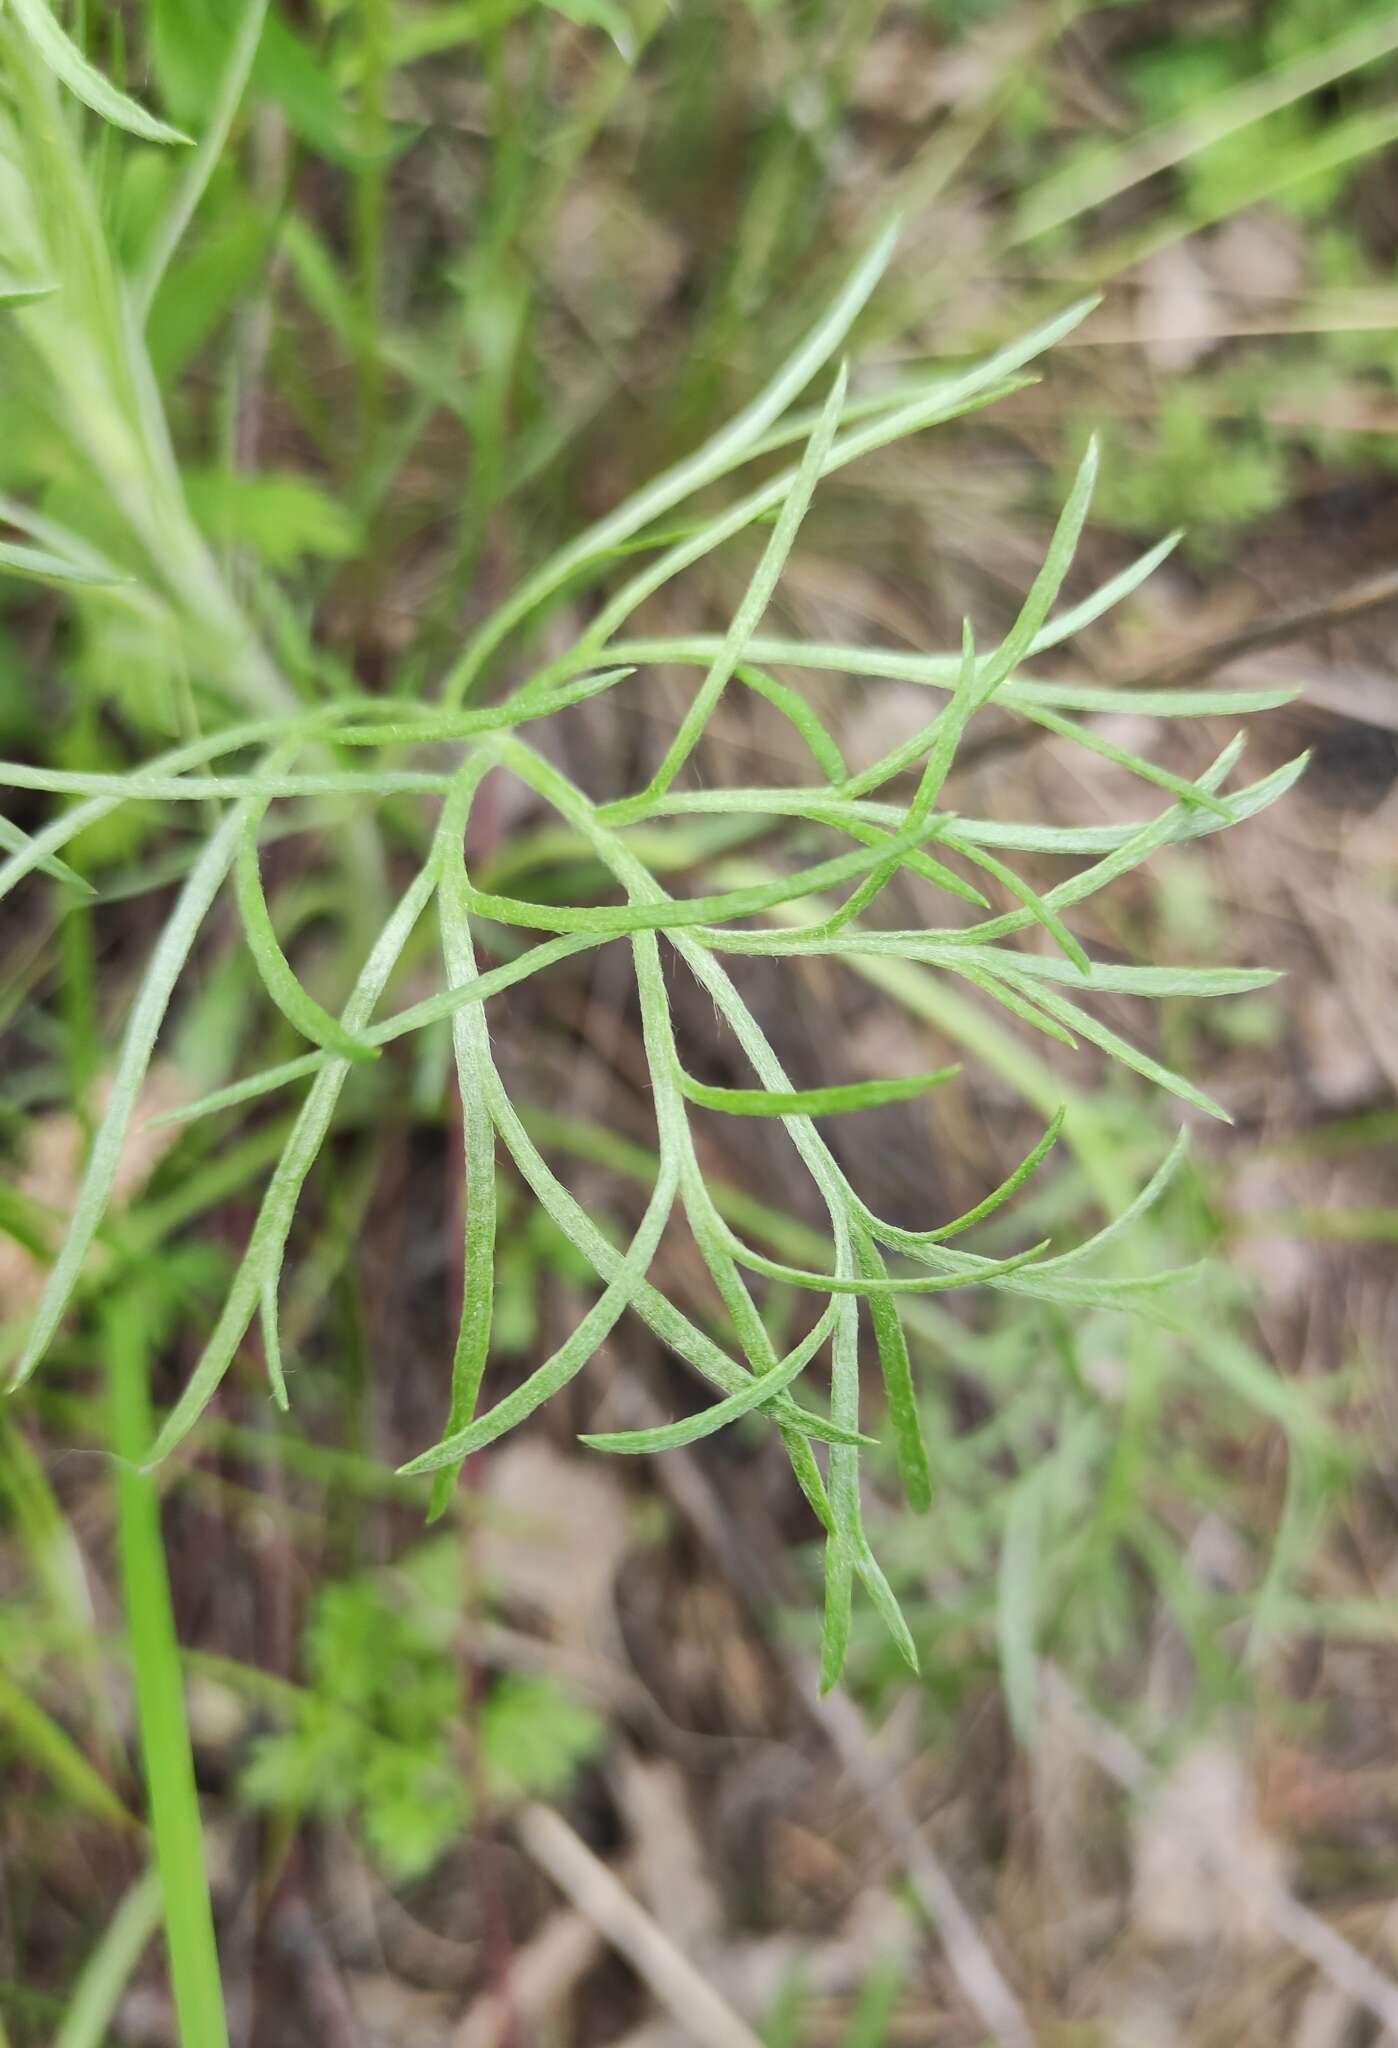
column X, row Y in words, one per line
column 168, row 1765
column 376, row 1736
column 281, row 726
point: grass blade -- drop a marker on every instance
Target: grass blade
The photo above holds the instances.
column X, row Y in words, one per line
column 167, row 1761
column 38, row 565
column 108, row 1970
column 194, row 183
column 52, row 1750
column 68, row 64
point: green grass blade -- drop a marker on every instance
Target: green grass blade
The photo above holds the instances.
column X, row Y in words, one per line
column 1105, row 174
column 105, row 1975
column 38, row 565
column 193, row 185
column 167, row 1761
column 52, row 1750
column 68, row 64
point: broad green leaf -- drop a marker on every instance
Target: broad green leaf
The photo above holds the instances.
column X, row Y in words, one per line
column 297, row 78
column 279, row 514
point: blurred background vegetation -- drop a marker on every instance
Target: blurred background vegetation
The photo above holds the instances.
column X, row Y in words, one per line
column 464, row 275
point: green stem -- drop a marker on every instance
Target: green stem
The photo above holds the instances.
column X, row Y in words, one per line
column 166, row 1757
